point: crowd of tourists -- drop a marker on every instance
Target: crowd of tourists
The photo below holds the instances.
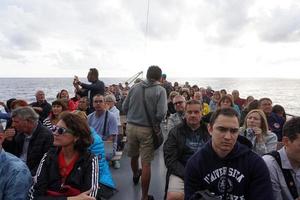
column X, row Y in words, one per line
column 217, row 144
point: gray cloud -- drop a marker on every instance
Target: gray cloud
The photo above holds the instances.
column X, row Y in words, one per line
column 280, row 25
column 164, row 20
column 223, row 21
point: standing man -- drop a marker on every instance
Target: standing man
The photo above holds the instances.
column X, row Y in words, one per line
column 284, row 164
column 31, row 140
column 41, row 106
column 138, row 128
column 15, row 176
column 226, row 167
column 166, row 84
column 183, row 141
column 90, row 90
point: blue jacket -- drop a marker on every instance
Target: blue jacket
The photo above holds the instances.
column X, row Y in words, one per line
column 242, row 174
column 97, row 148
column 15, row 177
column 275, row 125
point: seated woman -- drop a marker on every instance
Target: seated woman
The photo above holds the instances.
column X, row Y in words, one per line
column 68, row 171
column 256, row 130
column 213, row 104
column 225, row 102
column 58, row 106
column 106, row 183
column 71, row 103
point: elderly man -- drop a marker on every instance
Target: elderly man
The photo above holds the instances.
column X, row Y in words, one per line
column 15, row 176
column 41, row 106
column 237, row 99
column 31, row 141
column 284, row 164
column 225, row 167
column 183, row 141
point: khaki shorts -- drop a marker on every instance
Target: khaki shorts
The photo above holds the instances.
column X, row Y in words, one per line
column 140, row 142
column 176, row 184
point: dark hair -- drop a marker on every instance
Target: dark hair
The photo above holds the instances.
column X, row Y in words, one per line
column 252, row 105
column 228, row 112
column 223, row 98
column 59, row 94
column 94, row 73
column 291, row 128
column 263, row 99
column 8, row 103
column 223, row 90
column 80, row 128
column 279, row 109
column 61, row 103
column 193, row 102
column 154, row 73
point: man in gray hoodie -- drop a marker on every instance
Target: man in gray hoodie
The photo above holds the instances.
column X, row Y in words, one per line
column 139, row 129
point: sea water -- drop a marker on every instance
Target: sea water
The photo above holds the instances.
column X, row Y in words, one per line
column 282, row 91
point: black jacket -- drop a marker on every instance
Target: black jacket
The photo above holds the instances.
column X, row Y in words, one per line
column 94, row 88
column 46, row 109
column 84, row 175
column 40, row 143
column 176, row 151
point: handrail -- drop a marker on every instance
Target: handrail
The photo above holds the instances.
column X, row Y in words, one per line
column 134, row 77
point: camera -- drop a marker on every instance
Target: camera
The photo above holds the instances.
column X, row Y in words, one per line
column 250, row 132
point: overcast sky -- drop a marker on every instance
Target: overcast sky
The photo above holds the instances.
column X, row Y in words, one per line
column 186, row 38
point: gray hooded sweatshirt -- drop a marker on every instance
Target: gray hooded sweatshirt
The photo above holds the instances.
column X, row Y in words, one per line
column 156, row 100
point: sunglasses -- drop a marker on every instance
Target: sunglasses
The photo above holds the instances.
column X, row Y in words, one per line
column 61, row 130
column 225, row 130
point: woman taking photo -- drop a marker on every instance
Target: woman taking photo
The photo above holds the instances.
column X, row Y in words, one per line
column 68, row 171
column 256, row 130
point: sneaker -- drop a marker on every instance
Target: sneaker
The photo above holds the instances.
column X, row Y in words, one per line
column 116, row 164
column 136, row 178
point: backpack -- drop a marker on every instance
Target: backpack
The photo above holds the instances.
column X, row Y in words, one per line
column 287, row 175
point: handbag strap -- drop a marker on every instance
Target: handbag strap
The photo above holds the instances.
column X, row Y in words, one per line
column 105, row 123
column 287, row 175
column 145, row 106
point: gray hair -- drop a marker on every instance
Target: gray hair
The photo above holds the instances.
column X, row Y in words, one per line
column 110, row 98
column 25, row 113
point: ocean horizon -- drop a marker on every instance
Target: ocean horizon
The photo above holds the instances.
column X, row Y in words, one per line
column 283, row 91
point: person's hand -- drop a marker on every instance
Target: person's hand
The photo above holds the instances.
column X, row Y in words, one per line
column 9, row 134
column 258, row 134
column 37, row 109
column 2, row 104
column 82, row 196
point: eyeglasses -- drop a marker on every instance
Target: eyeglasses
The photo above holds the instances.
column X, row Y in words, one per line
column 197, row 112
column 98, row 101
column 178, row 102
column 61, row 130
column 225, row 129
